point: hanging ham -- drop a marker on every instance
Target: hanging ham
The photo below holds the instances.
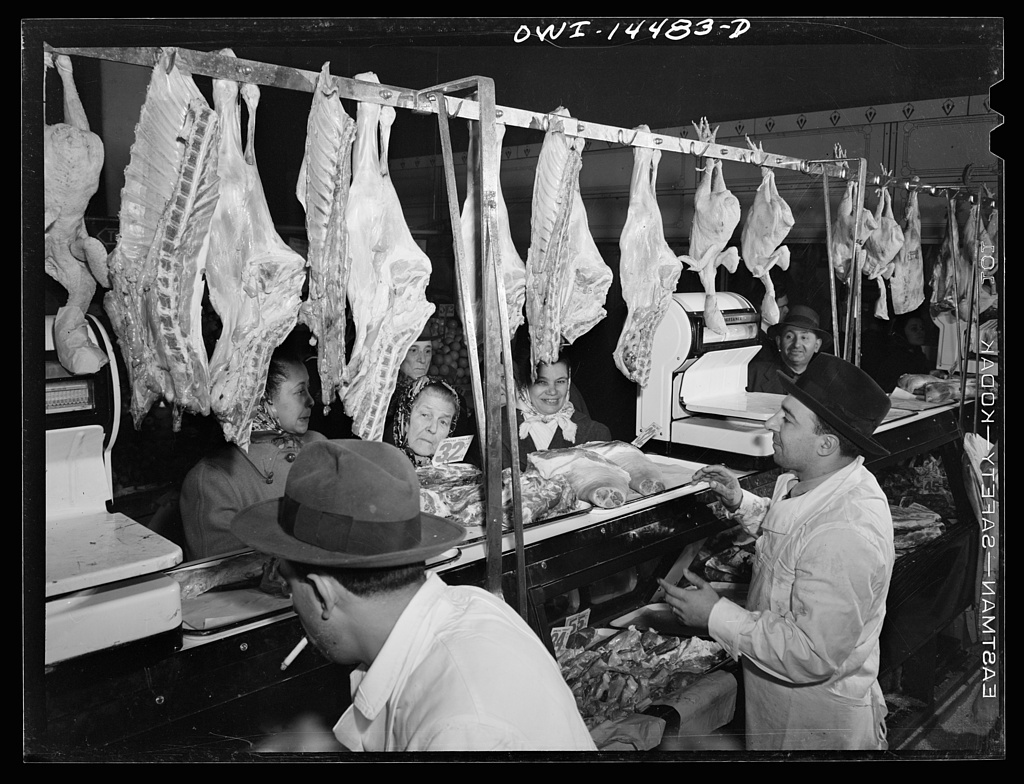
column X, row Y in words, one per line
column 567, row 281
column 648, row 269
column 322, row 189
column 170, row 193
column 907, row 281
column 388, row 279
column 880, row 249
column 843, row 227
column 716, row 214
column 768, row 223
column 72, row 163
column 255, row 280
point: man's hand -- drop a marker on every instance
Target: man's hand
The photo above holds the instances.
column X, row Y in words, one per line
column 722, row 483
column 692, row 604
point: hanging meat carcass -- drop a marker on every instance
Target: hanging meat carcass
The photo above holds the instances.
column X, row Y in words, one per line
column 979, row 246
column 322, row 188
column 170, row 193
column 716, row 214
column 72, row 162
column 951, row 272
column 907, row 281
column 255, row 280
column 567, row 281
column 768, row 223
column 880, row 249
column 388, row 279
column 648, row 269
column 510, row 263
column 843, row 228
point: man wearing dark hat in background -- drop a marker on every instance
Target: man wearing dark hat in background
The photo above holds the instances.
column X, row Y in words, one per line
column 438, row 667
column 797, row 338
column 808, row 636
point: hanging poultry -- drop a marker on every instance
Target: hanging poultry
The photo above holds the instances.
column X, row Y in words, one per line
column 880, row 249
column 907, row 281
column 843, row 228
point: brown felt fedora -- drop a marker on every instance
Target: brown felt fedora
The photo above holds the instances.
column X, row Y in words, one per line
column 348, row 503
column 845, row 397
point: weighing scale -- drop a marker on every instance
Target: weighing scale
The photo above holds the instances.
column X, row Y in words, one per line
column 104, row 571
column 696, row 393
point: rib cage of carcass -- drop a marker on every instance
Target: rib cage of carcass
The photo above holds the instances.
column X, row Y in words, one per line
column 388, row 277
column 567, row 281
column 72, row 163
column 648, row 269
column 155, row 271
column 255, row 280
column 323, row 189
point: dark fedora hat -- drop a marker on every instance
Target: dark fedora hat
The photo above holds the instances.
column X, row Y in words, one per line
column 801, row 317
column 845, row 397
column 348, row 503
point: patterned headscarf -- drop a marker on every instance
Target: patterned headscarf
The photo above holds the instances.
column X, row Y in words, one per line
column 541, row 427
column 400, row 428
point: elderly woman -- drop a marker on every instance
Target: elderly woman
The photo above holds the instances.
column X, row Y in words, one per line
column 223, row 483
column 426, row 412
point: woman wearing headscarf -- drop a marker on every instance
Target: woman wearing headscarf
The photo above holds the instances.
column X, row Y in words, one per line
column 425, row 413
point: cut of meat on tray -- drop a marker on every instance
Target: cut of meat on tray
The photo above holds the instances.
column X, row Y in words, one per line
column 72, row 164
column 388, row 279
column 907, row 281
column 171, row 192
column 769, row 221
column 648, row 269
column 911, row 516
column 322, row 188
column 595, row 479
column 255, row 280
column 645, row 477
column 567, row 281
column 880, row 250
column 841, row 248
column 716, row 214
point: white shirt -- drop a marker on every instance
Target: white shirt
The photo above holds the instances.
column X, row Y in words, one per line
column 461, row 671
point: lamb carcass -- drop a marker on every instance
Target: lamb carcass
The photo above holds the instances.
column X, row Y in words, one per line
column 169, row 196
column 648, row 269
column 880, row 250
column 254, row 278
column 716, row 214
column 567, row 281
column 841, row 245
column 72, row 162
column 768, row 223
column 322, row 188
column 388, row 279
column 907, row 281
column 510, row 263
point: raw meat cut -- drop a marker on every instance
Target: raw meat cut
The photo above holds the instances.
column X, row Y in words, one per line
column 716, row 214
column 841, row 247
column 769, row 221
column 648, row 269
column 567, row 281
column 388, row 278
column 880, row 249
column 907, row 281
column 645, row 477
column 951, row 272
column 255, row 280
column 507, row 258
column 594, row 478
column 979, row 241
column 170, row 193
column 322, row 188
column 72, row 163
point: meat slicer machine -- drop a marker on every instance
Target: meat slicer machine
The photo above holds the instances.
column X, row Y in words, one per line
column 696, row 393
column 105, row 585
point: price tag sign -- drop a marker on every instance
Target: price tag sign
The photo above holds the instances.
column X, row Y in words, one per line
column 452, row 450
column 559, row 636
column 579, row 621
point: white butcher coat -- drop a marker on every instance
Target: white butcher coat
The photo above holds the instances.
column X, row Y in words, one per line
column 808, row 638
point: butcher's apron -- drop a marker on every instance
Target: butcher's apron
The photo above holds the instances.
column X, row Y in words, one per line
column 784, row 715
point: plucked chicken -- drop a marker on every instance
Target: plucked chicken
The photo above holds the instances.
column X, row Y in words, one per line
column 769, row 221
column 388, row 279
column 648, row 269
column 843, row 227
column 322, row 188
column 508, row 260
column 170, row 193
column 907, row 281
column 72, row 162
column 880, row 249
column 567, row 281
column 716, row 214
column 255, row 280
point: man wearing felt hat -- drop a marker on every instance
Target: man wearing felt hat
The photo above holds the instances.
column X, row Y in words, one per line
column 797, row 339
column 808, row 635
column 437, row 667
